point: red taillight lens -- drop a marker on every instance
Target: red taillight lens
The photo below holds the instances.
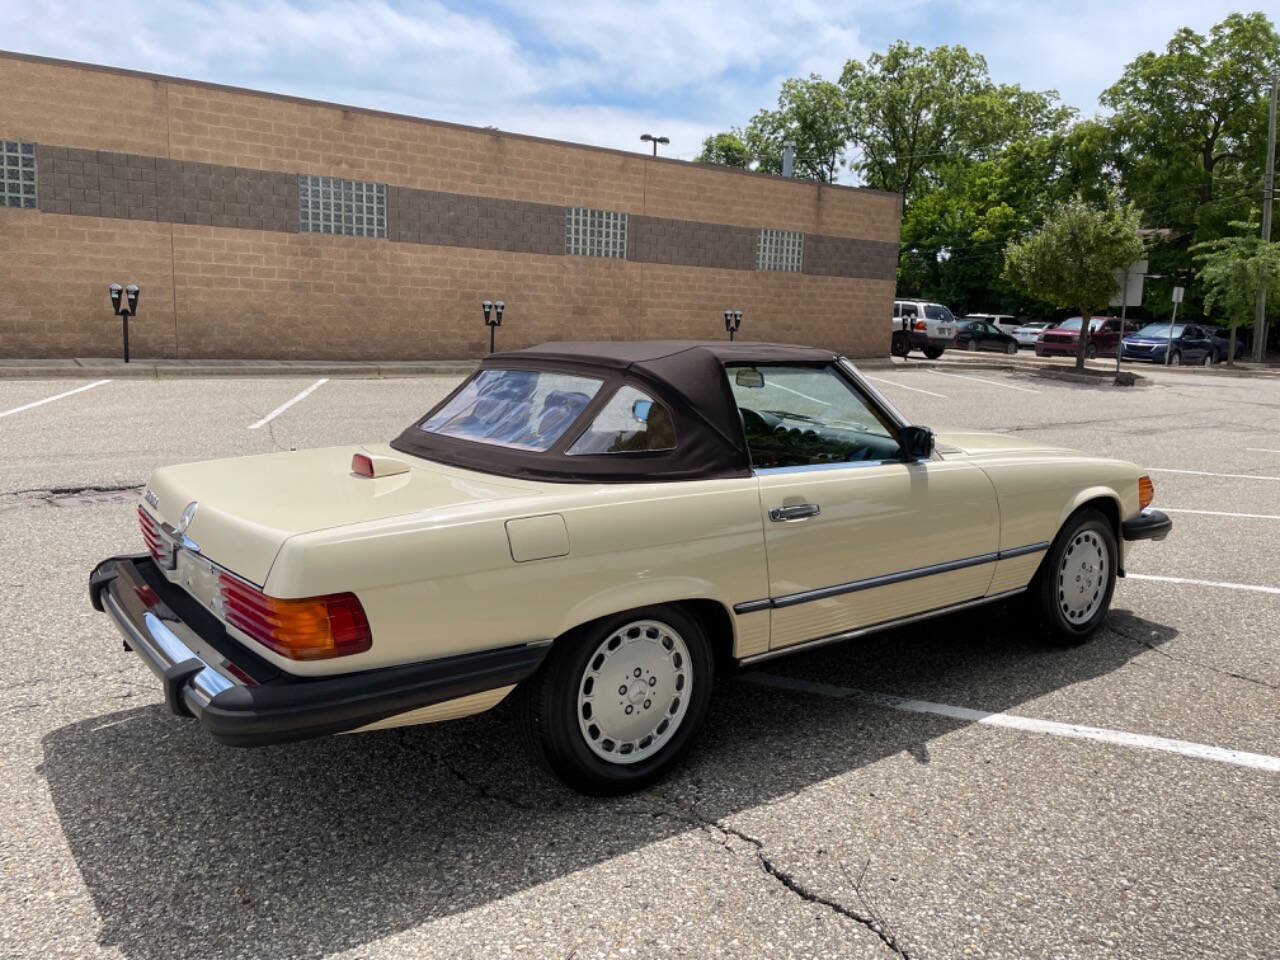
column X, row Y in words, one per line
column 310, row 629
column 150, row 533
column 361, row 465
column 920, row 325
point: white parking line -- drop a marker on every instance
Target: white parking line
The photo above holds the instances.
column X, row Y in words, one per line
column 799, row 394
column 37, row 403
column 895, row 383
column 1225, row 585
column 1074, row 731
column 1205, row 473
column 1223, row 513
column 289, row 403
column 994, row 383
column 1261, row 450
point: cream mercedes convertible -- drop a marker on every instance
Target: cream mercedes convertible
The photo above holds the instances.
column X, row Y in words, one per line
column 593, row 529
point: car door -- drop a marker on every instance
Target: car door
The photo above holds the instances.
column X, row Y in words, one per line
column 1197, row 344
column 855, row 534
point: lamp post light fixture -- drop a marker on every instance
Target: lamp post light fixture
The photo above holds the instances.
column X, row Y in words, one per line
column 732, row 322
column 124, row 301
column 492, row 317
column 650, row 138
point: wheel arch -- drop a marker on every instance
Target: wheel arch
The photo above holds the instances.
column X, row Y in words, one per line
column 1107, row 502
column 711, row 614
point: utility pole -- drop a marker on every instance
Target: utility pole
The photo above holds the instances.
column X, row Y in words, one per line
column 1268, row 185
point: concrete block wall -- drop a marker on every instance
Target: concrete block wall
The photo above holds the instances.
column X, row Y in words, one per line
column 196, row 197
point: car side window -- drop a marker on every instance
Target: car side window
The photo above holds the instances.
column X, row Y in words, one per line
column 801, row 416
column 631, row 422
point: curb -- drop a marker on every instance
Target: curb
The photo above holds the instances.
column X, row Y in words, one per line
column 89, row 369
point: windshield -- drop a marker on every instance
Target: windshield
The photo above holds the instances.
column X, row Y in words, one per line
column 523, row 409
column 1160, row 331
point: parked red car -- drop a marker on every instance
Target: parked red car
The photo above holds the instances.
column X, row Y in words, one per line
column 1104, row 337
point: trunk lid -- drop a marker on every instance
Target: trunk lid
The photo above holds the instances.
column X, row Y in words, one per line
column 248, row 506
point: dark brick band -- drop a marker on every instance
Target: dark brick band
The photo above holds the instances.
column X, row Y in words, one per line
column 487, row 223
column 99, row 183
column 849, row 257
column 690, row 243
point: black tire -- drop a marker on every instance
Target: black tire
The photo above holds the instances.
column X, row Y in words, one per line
column 1091, row 352
column 1209, row 359
column 899, row 346
column 1085, row 530
column 1011, row 348
column 933, row 353
column 546, row 705
column 973, row 346
column 1176, row 359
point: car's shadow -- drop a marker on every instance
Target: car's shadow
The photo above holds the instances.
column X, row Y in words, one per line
column 188, row 847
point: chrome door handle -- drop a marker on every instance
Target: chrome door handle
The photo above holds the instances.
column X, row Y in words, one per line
column 801, row 511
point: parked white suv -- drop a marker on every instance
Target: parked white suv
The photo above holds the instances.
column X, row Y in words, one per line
column 921, row 325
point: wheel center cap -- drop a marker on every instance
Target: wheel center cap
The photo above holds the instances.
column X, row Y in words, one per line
column 639, row 690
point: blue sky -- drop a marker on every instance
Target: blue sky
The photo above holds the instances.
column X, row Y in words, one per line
column 599, row 73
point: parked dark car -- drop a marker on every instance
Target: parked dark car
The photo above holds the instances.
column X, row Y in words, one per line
column 983, row 335
column 1222, row 343
column 1191, row 344
column 1104, row 338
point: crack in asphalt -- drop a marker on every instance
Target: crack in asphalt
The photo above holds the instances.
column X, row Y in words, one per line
column 719, row 832
column 458, row 774
column 73, row 491
column 1188, row 661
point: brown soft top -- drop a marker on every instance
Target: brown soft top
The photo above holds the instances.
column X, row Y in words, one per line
column 686, row 376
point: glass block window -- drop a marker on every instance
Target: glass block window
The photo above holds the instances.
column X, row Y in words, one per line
column 352, row 208
column 17, row 174
column 595, row 233
column 780, row 250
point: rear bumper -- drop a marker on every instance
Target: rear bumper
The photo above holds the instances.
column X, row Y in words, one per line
column 242, row 701
column 1147, row 525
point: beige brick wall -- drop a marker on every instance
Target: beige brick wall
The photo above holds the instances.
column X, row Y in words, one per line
column 221, row 292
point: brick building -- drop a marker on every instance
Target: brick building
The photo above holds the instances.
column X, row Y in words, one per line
column 267, row 226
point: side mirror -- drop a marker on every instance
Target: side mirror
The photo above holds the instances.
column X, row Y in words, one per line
column 918, row 442
column 749, row 377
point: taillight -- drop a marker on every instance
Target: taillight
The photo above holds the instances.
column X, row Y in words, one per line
column 920, row 325
column 362, row 465
column 150, row 534
column 1146, row 492
column 312, row 629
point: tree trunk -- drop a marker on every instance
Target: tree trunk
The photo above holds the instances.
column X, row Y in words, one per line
column 1231, row 347
column 1082, row 346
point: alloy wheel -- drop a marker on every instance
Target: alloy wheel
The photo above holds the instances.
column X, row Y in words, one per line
column 634, row 691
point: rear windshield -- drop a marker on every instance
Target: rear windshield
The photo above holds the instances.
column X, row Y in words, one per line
column 522, row 409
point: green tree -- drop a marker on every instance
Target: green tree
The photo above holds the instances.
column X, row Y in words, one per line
column 1231, row 268
column 811, row 112
column 726, row 149
column 1189, row 133
column 1071, row 261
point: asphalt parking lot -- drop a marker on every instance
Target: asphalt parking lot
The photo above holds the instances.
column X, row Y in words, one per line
column 1120, row 799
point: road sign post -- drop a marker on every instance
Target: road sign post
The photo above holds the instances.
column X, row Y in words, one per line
column 1177, row 299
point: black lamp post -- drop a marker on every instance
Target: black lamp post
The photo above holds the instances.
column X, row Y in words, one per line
column 492, row 317
column 650, row 138
column 124, row 310
column 732, row 322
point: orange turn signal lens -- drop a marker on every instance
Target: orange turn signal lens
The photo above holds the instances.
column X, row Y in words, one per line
column 1146, row 492
column 310, row 629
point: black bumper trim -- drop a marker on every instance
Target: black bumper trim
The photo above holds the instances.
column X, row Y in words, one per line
column 287, row 707
column 1148, row 525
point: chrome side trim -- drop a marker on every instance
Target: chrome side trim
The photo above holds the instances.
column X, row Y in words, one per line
column 1023, row 551
column 853, row 586
column 820, row 467
column 875, row 628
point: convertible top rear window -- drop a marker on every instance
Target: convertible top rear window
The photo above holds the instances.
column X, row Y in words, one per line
column 520, row 409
